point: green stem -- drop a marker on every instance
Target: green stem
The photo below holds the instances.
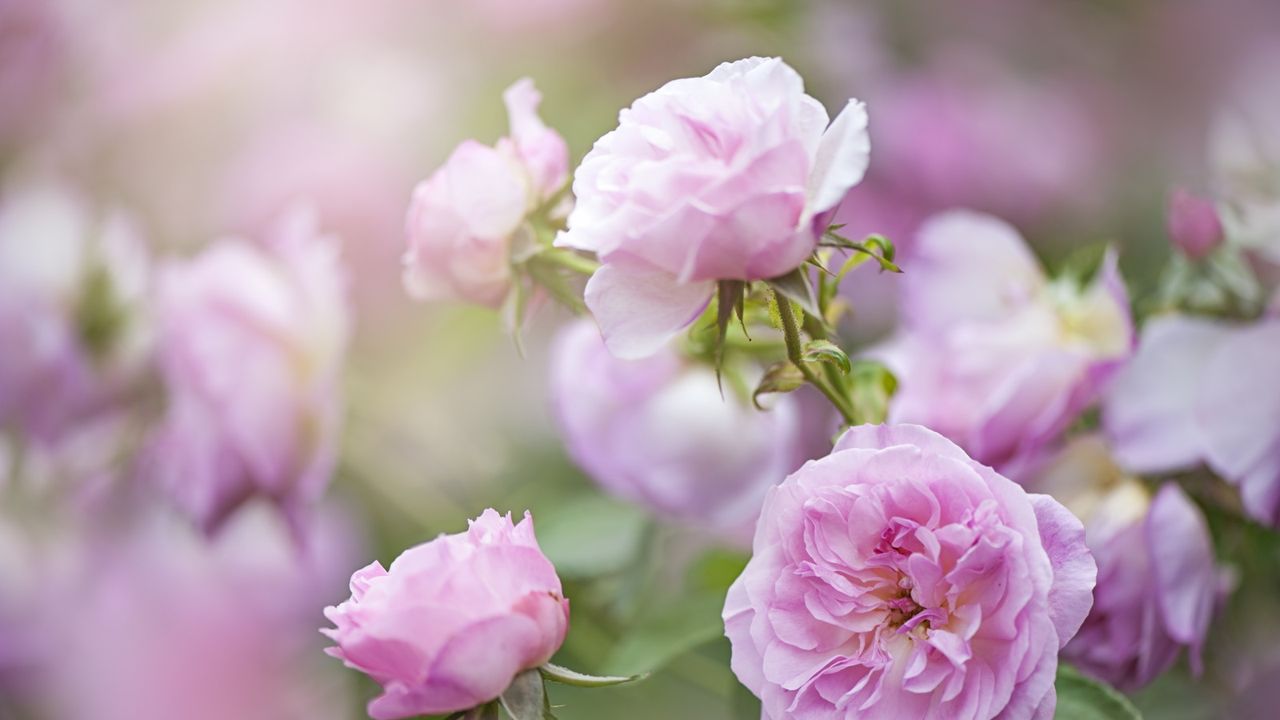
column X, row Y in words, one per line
column 791, row 333
column 570, row 260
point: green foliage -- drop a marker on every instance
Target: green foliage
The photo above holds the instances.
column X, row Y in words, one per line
column 657, row 638
column 782, row 377
column 591, row 535
column 1082, row 698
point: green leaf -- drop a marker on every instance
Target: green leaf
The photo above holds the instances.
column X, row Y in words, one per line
column 782, row 377
column 1082, row 698
column 565, row 676
column 874, row 247
column 549, row 276
column 592, row 535
column 795, row 286
column 827, row 352
column 525, row 699
column 667, row 633
column 871, row 388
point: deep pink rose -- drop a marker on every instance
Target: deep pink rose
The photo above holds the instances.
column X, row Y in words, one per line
column 734, row 175
column 454, row 620
column 1158, row 585
column 252, row 339
column 1203, row 390
column 898, row 578
column 462, row 218
column 657, row 431
column 993, row 354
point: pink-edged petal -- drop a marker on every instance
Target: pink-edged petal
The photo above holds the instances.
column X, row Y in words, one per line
column 879, row 437
column 1149, row 412
column 1074, row 570
column 1182, row 565
column 841, row 160
column 638, row 311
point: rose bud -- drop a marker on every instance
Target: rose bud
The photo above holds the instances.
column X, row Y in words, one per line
column 1193, row 224
column 454, row 620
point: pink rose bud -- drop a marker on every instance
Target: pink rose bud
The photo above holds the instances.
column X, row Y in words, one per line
column 993, row 354
column 898, row 578
column 1194, row 225
column 454, row 620
column 1158, row 584
column 658, row 432
column 734, row 175
column 462, row 219
column 252, row 339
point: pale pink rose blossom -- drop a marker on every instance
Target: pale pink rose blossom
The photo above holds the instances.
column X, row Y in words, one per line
column 1203, row 390
column 991, row 352
column 1158, row 585
column 72, row 326
column 731, row 176
column 453, row 621
column 251, row 345
column 659, row 432
column 463, row 218
column 898, row 578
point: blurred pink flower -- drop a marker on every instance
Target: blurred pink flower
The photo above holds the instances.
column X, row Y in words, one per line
column 33, row 48
column 162, row 623
column 71, row 321
column 1158, row 584
column 251, row 339
column 464, row 217
column 993, row 354
column 1193, row 224
column 658, row 431
column 899, row 578
column 734, row 175
column 1206, row 390
column 454, row 620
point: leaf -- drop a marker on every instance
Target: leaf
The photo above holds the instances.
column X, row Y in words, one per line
column 827, row 352
column 874, row 247
column 667, row 633
column 795, row 286
column 591, row 535
column 565, row 676
column 782, row 377
column 549, row 276
column 488, row 711
column 871, row 389
column 1082, row 698
column 525, row 699
column 729, row 298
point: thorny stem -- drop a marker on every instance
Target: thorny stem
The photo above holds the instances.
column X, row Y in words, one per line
column 791, row 333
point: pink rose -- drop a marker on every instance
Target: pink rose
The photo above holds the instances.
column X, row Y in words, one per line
column 898, row 578
column 462, row 218
column 454, row 620
column 1203, row 390
column 657, row 431
column 731, row 176
column 252, row 339
column 1158, row 584
column 71, row 320
column 993, row 354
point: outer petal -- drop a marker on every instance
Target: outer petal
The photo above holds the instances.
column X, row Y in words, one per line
column 968, row 266
column 1239, row 409
column 842, row 158
column 878, row 437
column 1074, row 570
column 1183, row 567
column 640, row 310
column 1149, row 413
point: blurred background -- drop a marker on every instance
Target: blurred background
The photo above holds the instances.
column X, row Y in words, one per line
column 200, row 119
